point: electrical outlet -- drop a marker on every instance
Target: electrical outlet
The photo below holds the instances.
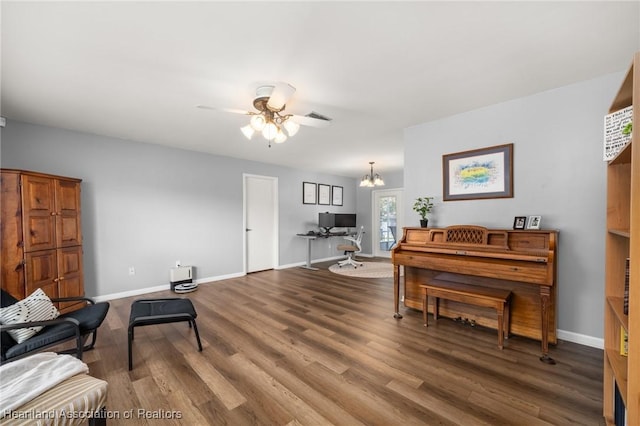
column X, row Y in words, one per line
column 177, row 263
column 132, row 270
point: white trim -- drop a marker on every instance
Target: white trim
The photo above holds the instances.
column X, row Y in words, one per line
column 582, row 339
column 298, row 264
column 326, row 259
column 163, row 287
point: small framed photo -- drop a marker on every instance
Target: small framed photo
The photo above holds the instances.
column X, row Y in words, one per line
column 324, row 194
column 308, row 193
column 534, row 222
column 519, row 222
column 336, row 195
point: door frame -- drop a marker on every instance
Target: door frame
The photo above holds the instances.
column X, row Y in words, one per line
column 276, row 219
column 375, row 218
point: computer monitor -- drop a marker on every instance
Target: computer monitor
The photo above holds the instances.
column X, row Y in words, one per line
column 326, row 221
column 345, row 220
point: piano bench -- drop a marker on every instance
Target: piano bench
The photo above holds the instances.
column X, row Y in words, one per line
column 474, row 295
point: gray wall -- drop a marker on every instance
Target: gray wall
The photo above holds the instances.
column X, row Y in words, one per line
column 147, row 206
column 558, row 173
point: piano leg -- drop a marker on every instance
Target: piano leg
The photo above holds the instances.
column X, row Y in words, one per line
column 545, row 298
column 396, row 291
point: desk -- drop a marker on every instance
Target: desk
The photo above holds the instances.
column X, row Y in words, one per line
column 314, row 236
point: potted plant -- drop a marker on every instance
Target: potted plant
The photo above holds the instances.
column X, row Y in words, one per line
column 423, row 206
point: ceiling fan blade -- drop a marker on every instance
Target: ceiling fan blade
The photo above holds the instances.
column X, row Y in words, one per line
column 232, row 110
column 303, row 120
column 281, row 94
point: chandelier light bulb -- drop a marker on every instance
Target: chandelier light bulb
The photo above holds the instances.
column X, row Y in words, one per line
column 247, row 131
column 270, row 131
column 291, row 127
column 258, row 122
column 280, row 137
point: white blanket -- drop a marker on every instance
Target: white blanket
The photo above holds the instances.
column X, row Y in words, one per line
column 24, row 379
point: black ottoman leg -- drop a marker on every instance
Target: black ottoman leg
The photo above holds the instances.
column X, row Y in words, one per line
column 130, row 352
column 195, row 328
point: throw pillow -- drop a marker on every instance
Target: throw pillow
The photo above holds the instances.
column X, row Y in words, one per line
column 36, row 307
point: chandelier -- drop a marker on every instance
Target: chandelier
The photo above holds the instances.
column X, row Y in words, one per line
column 372, row 180
column 270, row 122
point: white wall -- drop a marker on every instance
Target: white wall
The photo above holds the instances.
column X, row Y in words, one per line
column 558, row 173
column 147, row 205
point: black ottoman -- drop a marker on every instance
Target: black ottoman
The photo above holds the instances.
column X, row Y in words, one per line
column 161, row 311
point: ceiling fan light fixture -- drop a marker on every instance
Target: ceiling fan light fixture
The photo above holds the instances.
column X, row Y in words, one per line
column 247, row 131
column 269, row 117
column 257, row 122
column 291, row 127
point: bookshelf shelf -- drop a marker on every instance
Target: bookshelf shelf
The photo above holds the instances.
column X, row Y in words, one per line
column 615, row 303
column 619, row 366
column 622, row 242
column 620, row 232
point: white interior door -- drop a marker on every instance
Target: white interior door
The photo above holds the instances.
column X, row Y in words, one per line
column 261, row 222
column 387, row 220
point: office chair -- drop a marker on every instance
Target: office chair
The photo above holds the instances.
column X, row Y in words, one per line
column 351, row 249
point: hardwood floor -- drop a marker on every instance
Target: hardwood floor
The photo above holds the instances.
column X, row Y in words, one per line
column 301, row 347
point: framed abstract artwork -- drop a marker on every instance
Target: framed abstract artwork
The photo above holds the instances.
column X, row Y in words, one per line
column 479, row 173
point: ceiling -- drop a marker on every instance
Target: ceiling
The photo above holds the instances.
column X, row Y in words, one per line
column 137, row 70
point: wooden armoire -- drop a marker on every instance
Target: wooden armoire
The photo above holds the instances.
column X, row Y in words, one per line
column 41, row 235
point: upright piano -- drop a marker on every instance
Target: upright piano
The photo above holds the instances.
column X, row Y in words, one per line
column 523, row 261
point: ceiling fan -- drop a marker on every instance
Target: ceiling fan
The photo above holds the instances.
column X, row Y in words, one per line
column 270, row 117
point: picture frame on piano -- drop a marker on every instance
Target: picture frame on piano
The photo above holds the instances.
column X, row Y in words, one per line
column 534, row 222
column 478, row 174
column 519, row 222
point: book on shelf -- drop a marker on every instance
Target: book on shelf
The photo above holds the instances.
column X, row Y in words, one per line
column 617, row 132
column 624, row 342
column 625, row 304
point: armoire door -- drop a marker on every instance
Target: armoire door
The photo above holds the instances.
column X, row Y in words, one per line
column 67, row 205
column 41, row 271
column 38, row 212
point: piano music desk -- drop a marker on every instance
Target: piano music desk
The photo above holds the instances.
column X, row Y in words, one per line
column 474, row 295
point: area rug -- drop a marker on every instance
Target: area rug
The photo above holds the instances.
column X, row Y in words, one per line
column 367, row 270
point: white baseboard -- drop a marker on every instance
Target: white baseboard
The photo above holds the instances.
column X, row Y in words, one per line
column 326, row 259
column 582, row 339
column 298, row 264
column 163, row 287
